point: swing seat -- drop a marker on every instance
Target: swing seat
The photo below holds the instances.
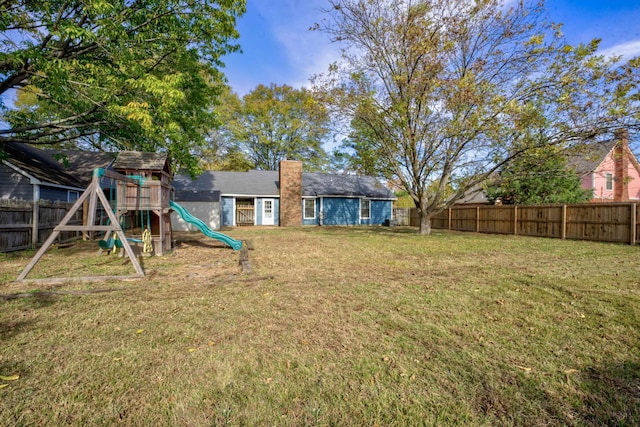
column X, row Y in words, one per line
column 108, row 244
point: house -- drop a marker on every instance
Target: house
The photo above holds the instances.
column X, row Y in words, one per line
column 288, row 197
column 609, row 169
column 29, row 173
column 32, row 174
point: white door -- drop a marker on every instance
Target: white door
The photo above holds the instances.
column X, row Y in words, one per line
column 267, row 212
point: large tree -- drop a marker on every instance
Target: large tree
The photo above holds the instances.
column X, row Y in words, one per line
column 274, row 122
column 442, row 93
column 114, row 74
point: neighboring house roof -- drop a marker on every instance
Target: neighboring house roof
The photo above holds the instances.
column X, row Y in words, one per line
column 266, row 183
column 141, row 161
column 322, row 184
column 40, row 165
column 252, row 183
column 82, row 163
column 586, row 158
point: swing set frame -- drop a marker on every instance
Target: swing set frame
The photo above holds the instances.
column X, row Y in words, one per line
column 94, row 194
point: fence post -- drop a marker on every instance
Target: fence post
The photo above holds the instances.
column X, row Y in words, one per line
column 35, row 218
column 564, row 222
column 515, row 219
column 477, row 219
column 449, row 227
column 633, row 229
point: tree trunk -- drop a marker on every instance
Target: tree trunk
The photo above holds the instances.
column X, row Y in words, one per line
column 425, row 223
column 425, row 219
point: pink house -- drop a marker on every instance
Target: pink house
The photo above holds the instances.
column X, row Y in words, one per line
column 610, row 169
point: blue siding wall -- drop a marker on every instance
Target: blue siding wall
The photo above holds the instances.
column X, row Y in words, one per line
column 226, row 219
column 346, row 211
column 13, row 185
column 258, row 210
column 380, row 211
column 340, row 211
column 54, row 194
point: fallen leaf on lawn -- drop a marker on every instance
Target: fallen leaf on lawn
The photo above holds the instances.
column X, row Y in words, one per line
column 4, row 385
column 139, row 331
column 191, row 350
column 9, row 378
column 524, row 368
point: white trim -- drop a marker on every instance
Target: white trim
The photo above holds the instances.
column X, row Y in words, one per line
column 255, row 214
column 304, row 210
column 333, row 196
column 363, row 199
column 233, row 212
column 69, row 193
column 249, row 196
column 273, row 216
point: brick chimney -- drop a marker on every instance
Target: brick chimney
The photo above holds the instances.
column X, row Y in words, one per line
column 290, row 193
column 621, row 166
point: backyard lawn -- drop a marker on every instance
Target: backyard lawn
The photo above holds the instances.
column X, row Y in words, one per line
column 335, row 326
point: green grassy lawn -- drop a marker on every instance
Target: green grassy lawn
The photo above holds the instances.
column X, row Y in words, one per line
column 335, row 326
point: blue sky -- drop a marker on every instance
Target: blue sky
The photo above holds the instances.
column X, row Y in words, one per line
column 279, row 48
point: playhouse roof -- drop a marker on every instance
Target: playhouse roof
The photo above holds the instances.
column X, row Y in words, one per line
column 40, row 165
column 136, row 160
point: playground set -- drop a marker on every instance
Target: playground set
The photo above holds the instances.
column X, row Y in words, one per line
column 139, row 203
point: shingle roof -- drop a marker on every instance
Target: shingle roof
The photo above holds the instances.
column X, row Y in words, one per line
column 587, row 158
column 40, row 165
column 82, row 163
column 266, row 183
column 252, row 183
column 322, row 184
column 140, row 161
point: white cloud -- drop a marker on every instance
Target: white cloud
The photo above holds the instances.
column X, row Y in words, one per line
column 308, row 52
column 627, row 50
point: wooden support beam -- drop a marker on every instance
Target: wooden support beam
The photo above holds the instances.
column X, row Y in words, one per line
column 86, row 228
column 92, row 190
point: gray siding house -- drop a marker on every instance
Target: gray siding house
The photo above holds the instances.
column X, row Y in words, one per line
column 32, row 174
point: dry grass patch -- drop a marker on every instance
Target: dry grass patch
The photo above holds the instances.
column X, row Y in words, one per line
column 336, row 326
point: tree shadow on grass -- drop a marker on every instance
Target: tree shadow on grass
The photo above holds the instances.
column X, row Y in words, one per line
column 602, row 396
column 611, row 395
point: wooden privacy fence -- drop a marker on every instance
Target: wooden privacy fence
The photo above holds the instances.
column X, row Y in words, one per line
column 602, row 222
column 24, row 226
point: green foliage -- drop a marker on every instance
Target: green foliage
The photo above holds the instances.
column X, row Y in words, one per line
column 274, row 122
column 539, row 177
column 404, row 200
column 440, row 94
column 140, row 75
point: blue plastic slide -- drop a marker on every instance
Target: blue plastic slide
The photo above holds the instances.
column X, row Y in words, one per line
column 200, row 225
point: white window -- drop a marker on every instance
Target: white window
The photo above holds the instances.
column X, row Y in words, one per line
column 365, row 209
column 309, row 208
column 72, row 196
column 609, row 181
